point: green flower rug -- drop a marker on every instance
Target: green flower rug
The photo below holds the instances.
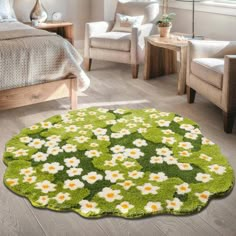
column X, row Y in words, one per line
column 129, row 163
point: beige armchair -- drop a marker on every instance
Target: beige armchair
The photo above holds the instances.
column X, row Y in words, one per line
column 123, row 47
column 212, row 73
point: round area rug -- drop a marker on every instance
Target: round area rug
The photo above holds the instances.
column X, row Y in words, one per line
column 129, row 163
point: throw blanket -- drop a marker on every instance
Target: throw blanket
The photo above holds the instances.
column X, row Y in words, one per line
column 31, row 56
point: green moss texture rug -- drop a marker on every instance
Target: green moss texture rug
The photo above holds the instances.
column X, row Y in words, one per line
column 128, row 163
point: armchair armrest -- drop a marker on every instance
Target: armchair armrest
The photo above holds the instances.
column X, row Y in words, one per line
column 94, row 28
column 229, row 84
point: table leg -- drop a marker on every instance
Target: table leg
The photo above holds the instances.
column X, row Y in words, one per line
column 182, row 71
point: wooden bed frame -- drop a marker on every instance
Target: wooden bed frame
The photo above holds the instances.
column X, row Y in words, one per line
column 18, row 97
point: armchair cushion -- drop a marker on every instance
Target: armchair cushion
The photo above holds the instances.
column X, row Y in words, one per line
column 210, row 70
column 119, row 41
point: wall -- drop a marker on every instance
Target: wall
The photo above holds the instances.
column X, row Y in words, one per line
column 97, row 10
column 210, row 25
column 76, row 11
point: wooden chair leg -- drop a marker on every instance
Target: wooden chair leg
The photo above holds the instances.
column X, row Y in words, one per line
column 135, row 69
column 228, row 122
column 191, row 94
column 87, row 63
column 73, row 94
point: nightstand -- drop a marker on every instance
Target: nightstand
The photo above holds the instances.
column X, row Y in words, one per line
column 64, row 29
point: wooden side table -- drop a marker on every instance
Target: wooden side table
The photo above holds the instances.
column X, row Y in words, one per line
column 64, row 29
column 161, row 59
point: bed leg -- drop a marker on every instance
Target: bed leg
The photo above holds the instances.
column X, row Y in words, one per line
column 73, row 94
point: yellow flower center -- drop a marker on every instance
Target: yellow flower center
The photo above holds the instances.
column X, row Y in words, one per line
column 125, row 206
column 110, row 195
column 204, row 196
column 154, row 208
column 89, row 205
column 148, row 188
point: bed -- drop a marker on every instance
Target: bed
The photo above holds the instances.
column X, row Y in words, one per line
column 37, row 66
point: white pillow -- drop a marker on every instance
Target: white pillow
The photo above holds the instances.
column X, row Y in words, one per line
column 6, row 11
column 126, row 23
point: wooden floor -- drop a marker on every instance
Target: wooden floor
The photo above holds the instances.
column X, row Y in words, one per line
column 112, row 86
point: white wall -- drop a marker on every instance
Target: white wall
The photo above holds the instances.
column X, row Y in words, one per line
column 76, row 11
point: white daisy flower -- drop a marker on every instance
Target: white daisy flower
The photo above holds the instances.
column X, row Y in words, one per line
column 118, row 149
column 187, row 127
column 34, row 127
column 69, row 148
column 111, row 122
column 174, row 204
column 163, row 123
column 205, row 157
column 37, row 143
column 27, row 172
column 39, row 156
column 92, row 177
column 131, row 126
column 103, row 138
column 119, row 157
column 51, row 144
column 113, row 176
column 10, row 149
column 87, row 207
column 54, row 151
column 103, row 110
column 129, row 164
column 142, row 130
column 46, row 125
column 163, row 114
column 43, row 200
column 73, row 184
column 80, row 119
column 93, row 113
column 184, row 166
column 168, row 140
column 164, row 152
column 204, row 196
column 92, row 153
column 52, row 168
column 134, row 153
column 152, row 207
column 191, row 136
column 126, row 184
column 124, row 207
column 26, row 139
column 167, row 132
column 201, row 177
column 81, row 114
column 72, row 162
column 29, row 179
column 99, row 131
column 83, row 132
column 119, row 111
column 156, row 160
column 62, row 197
column 154, row 116
column 102, row 117
column 54, row 138
column 74, row 172
column 122, row 120
column 81, row 139
column 117, row 135
column 57, row 126
column 140, row 143
column 196, row 131
column 185, row 153
column 150, row 110
column 220, row 170
column 178, row 119
column 138, row 119
column 170, row 160
column 206, row 141
column 124, row 132
column 94, row 145
column 110, row 195
column 12, row 182
column 45, row 186
column 148, row 189
column 110, row 163
column 185, row 145
column 159, row 177
column 89, row 126
column 183, row 188
column 136, row 174
column 71, row 128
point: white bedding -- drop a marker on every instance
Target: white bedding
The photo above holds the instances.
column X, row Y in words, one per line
column 35, row 58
